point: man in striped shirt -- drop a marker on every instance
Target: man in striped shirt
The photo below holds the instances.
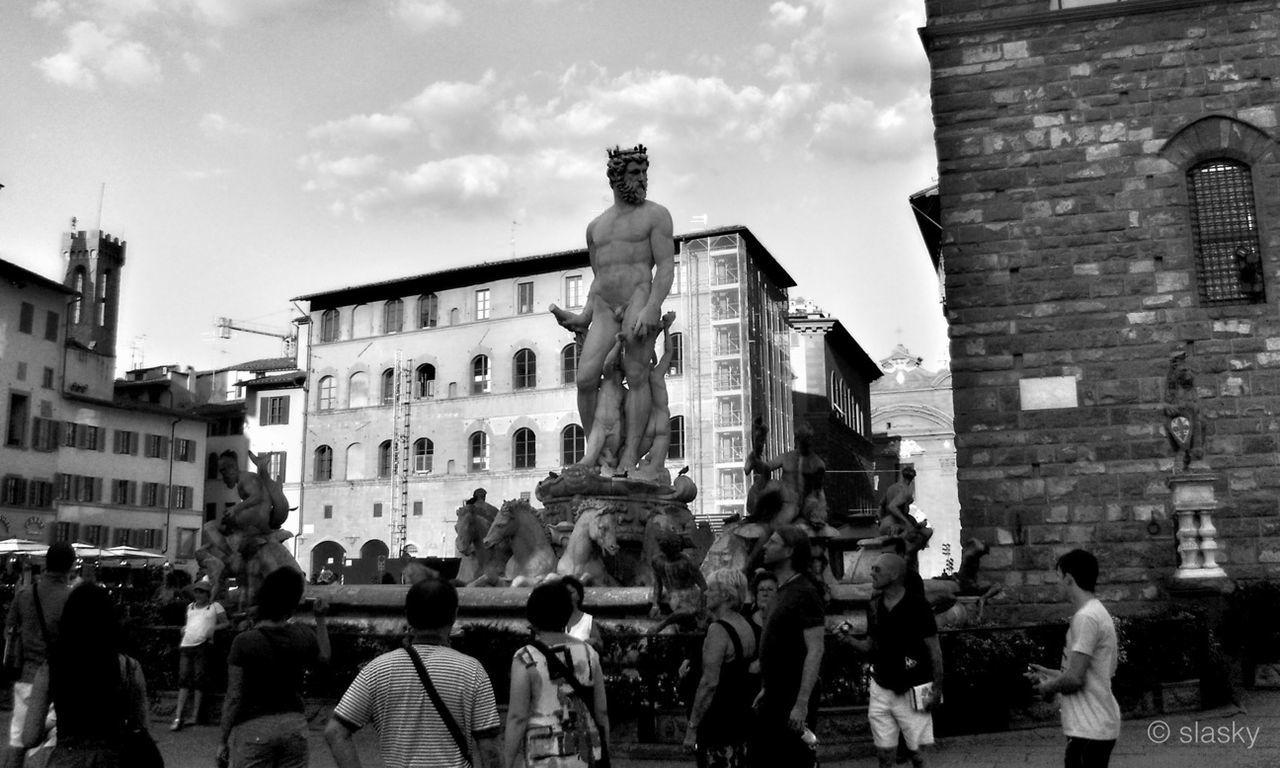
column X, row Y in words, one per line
column 389, row 693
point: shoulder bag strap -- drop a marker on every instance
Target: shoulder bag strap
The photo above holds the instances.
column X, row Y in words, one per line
column 44, row 628
column 733, row 638
column 558, row 669
column 454, row 729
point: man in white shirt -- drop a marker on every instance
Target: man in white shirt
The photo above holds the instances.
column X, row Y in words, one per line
column 1090, row 713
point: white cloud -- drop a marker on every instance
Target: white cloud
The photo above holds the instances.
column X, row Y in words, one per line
column 784, row 15
column 363, row 128
column 465, row 178
column 859, row 128
column 47, row 10
column 204, row 175
column 92, row 51
column 214, row 124
column 426, row 15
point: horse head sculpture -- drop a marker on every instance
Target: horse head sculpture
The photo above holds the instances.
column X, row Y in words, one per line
column 595, row 534
column 519, row 526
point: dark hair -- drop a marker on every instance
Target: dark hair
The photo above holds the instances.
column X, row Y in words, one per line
column 60, row 557
column 795, row 537
column 760, row 576
column 230, row 454
column 573, row 583
column 1081, row 566
column 431, row 604
column 549, row 607
column 279, row 595
column 86, row 657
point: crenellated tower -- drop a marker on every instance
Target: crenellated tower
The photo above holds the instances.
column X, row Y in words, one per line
column 94, row 261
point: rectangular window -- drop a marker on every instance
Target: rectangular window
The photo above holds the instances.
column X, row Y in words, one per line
column 66, row 531
column 181, row 495
column 69, row 434
column 676, row 367
column 417, row 509
column 63, row 482
column 92, row 534
column 19, row 412
column 275, row 464
column 26, row 317
column 184, row 450
column 573, row 298
column 524, row 298
column 126, row 442
column 51, row 320
column 273, row 410
column 46, row 380
column 157, row 446
column 13, row 490
column 44, row 434
column 677, row 279
column 328, row 511
column 482, row 304
column 377, row 509
column 187, row 538
column 120, row 537
column 41, row 494
column 22, row 371
column 119, row 491
column 91, row 438
column 150, row 494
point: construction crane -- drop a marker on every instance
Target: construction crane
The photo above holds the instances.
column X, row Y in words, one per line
column 402, row 395
column 290, row 338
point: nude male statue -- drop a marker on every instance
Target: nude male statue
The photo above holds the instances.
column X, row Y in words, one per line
column 606, row 436
column 800, row 484
column 657, row 434
column 632, row 253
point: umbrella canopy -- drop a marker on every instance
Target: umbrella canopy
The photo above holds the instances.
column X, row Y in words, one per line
column 14, row 545
column 132, row 553
column 86, row 550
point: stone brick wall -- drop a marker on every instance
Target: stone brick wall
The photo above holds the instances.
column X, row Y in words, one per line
column 1063, row 142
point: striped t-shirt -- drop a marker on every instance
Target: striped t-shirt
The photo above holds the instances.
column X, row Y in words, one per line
column 389, row 694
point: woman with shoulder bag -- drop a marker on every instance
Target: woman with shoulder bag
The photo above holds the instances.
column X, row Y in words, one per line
column 557, row 717
column 107, row 730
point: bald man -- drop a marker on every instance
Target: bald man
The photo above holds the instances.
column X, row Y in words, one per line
column 905, row 653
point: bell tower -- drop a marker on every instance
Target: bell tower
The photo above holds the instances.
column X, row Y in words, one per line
column 94, row 261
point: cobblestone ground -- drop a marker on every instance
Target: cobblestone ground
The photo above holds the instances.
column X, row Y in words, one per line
column 1240, row 737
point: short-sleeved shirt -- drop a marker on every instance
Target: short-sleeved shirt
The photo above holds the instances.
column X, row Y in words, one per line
column 274, row 659
column 201, row 623
column 797, row 607
column 1092, row 712
column 900, row 658
column 24, row 617
column 389, row 694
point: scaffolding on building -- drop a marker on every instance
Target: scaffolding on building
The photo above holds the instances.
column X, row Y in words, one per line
column 402, row 396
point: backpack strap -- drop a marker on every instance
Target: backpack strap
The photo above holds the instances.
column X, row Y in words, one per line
column 454, row 729
column 733, row 638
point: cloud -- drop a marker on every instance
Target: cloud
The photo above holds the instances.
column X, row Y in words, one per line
column 426, row 15
column 784, row 15
column 363, row 128
column 92, row 52
column 858, row 128
column 207, row 174
column 214, row 124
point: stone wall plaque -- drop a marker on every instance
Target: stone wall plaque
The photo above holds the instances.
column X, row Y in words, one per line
column 1048, row 392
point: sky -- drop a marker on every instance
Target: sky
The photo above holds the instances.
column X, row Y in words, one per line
column 251, row 151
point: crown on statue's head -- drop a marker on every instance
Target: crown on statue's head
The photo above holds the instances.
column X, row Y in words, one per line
column 618, row 152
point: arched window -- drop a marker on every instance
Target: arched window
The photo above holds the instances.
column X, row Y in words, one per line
column 424, row 381
column 361, row 321
column 676, row 368
column 393, row 316
column 423, row 454
column 524, row 449
column 428, row 310
column 327, row 395
column 384, row 459
column 1224, row 230
column 329, row 325
column 358, row 390
column 355, row 462
column 453, row 316
column 479, row 374
column 77, row 304
column 324, row 463
column 388, row 386
column 525, row 369
column 676, row 449
column 573, row 444
column 479, row 451
column 211, row 466
column 569, row 363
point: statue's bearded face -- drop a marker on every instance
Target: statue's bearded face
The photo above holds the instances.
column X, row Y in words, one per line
column 634, row 183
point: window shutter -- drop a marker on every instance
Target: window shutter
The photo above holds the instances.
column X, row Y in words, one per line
column 102, row 439
column 133, row 493
column 164, row 446
column 133, row 443
column 284, row 419
column 162, row 495
column 284, row 455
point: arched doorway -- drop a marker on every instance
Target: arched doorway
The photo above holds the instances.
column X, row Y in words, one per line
column 372, row 564
column 328, row 554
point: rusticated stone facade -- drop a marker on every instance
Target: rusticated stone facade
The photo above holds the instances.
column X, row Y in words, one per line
column 1079, row 260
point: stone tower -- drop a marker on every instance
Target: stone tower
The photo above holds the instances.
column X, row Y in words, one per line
column 94, row 261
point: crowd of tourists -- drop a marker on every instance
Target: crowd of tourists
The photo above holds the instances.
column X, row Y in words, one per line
column 755, row 701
